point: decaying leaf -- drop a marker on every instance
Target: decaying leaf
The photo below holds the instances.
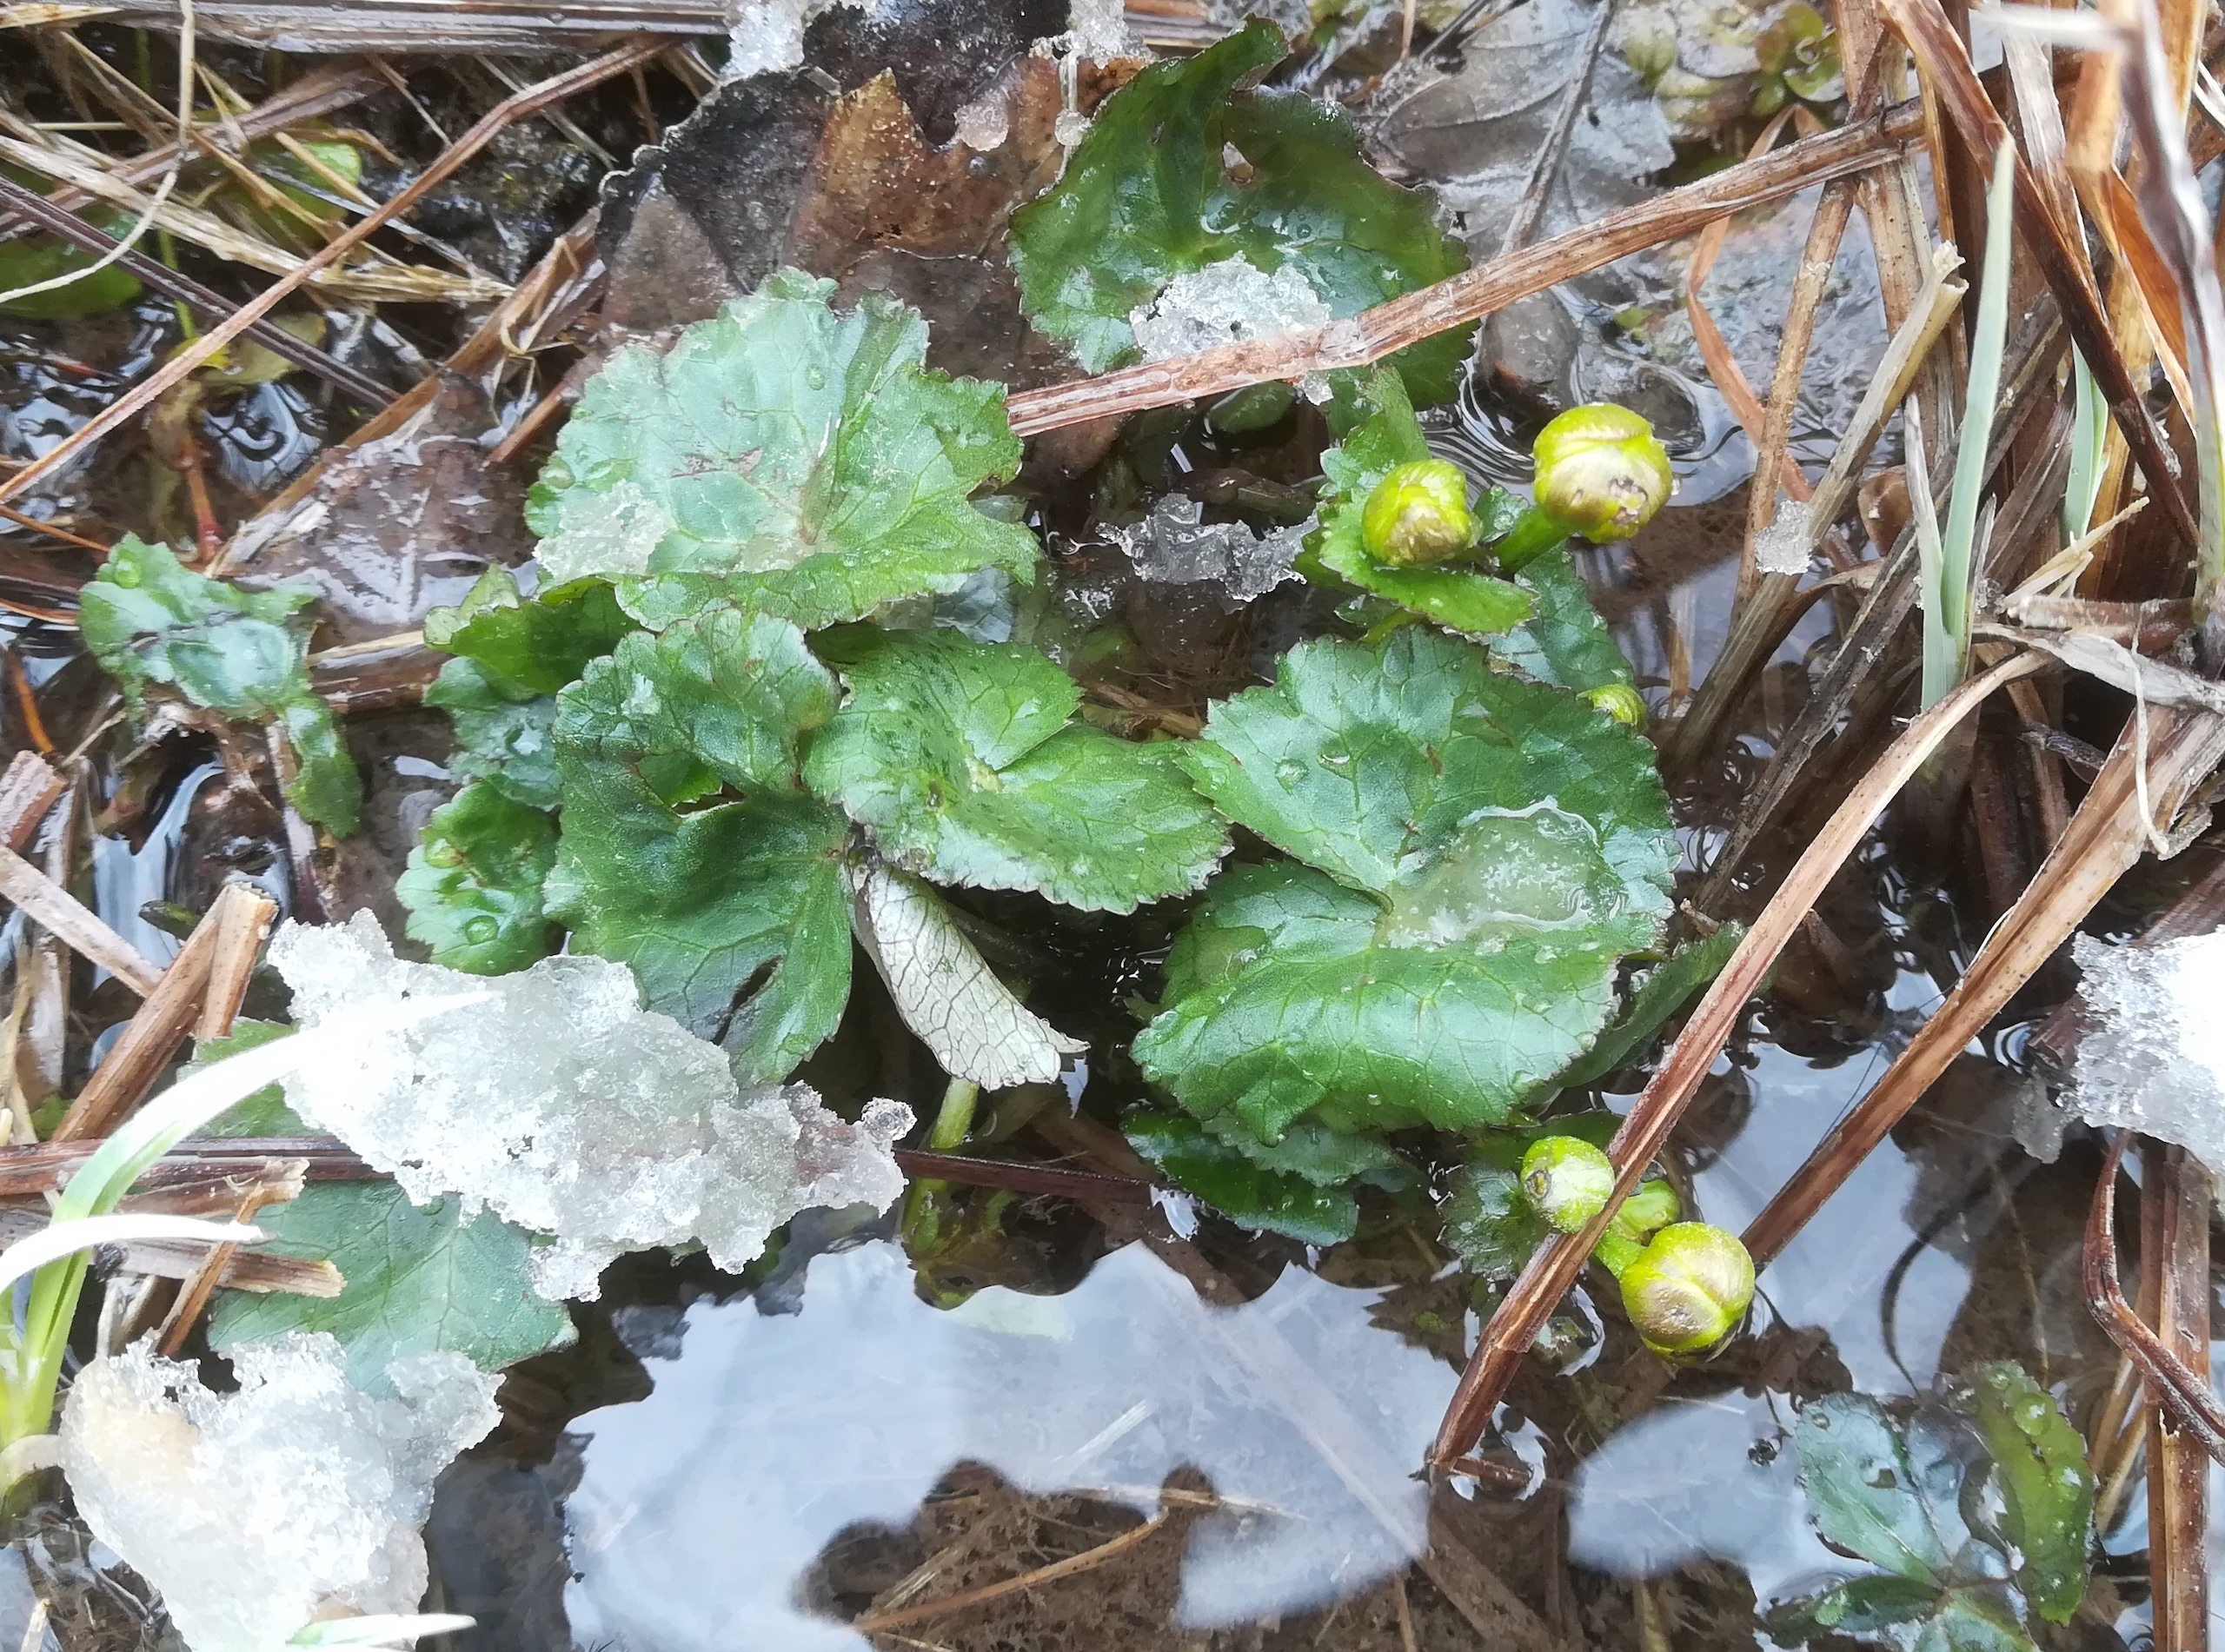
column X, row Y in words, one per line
column 944, row 990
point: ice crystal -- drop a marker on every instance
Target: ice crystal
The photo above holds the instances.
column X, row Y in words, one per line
column 1098, row 30
column 2154, row 1057
column 1784, row 546
column 768, row 34
column 298, row 1497
column 570, row 1109
column 1173, row 546
column 1224, row 303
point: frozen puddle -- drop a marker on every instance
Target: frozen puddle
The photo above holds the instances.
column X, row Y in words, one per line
column 701, row 1508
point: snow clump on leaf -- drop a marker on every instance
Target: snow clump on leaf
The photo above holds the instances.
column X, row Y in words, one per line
column 571, row 1110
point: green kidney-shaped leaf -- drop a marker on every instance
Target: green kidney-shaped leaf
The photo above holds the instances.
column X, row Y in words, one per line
column 473, row 884
column 1855, row 1471
column 1460, row 598
column 1472, row 801
column 799, row 461
column 1306, row 1008
column 1150, row 193
column 2047, row 1490
column 418, row 1281
column 736, row 918
column 964, row 759
column 1661, row 993
column 153, row 622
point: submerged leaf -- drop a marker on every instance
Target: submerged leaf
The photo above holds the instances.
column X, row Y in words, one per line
column 153, row 622
column 1855, row 1471
column 418, row 1280
column 1246, row 1192
column 473, row 884
column 970, row 1021
column 1460, row 598
column 1859, row 1605
column 735, row 918
column 798, row 461
column 1151, row 195
column 966, row 760
column 2047, row 1490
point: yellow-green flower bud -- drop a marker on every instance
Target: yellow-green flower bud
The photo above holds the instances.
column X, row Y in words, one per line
column 1653, row 1206
column 1418, row 515
column 1567, row 1180
column 1601, row 472
column 1620, row 701
column 1688, row 1289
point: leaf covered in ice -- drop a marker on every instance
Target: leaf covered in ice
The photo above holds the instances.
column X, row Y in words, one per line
column 473, row 884
column 733, row 917
column 419, row 1280
column 966, row 761
column 1481, row 852
column 570, row 1111
column 1459, row 598
column 944, row 990
column 153, row 623
column 1154, row 193
column 795, row 459
column 253, row 1512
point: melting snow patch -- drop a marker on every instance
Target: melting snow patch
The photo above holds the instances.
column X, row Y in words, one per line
column 1173, row 546
column 1224, row 303
column 296, row 1497
column 571, row 1110
column 768, row 34
column 2154, row 1059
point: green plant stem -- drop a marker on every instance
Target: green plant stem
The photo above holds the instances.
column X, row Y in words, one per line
column 954, row 1122
column 1532, row 536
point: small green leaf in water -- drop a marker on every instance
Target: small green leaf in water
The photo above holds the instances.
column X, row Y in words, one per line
column 1859, row 1605
column 418, row 1281
column 29, row 260
column 1459, row 598
column 153, row 623
column 1246, row 1192
column 1859, row 1482
column 799, row 461
column 966, row 761
column 541, row 643
column 2047, row 1490
column 473, row 884
column 1151, row 194
column 1662, row 991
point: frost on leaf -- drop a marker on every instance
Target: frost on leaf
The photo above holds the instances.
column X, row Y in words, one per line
column 797, row 460
column 946, row 992
column 1224, row 303
column 966, row 761
column 1172, row 545
column 1459, row 598
column 2154, row 1058
column 299, row 1496
column 570, row 1111
column 1480, row 853
column 1151, row 195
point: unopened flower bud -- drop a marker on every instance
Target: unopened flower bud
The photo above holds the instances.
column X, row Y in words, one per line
column 1567, row 1179
column 1601, row 472
column 1418, row 515
column 1688, row 1289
